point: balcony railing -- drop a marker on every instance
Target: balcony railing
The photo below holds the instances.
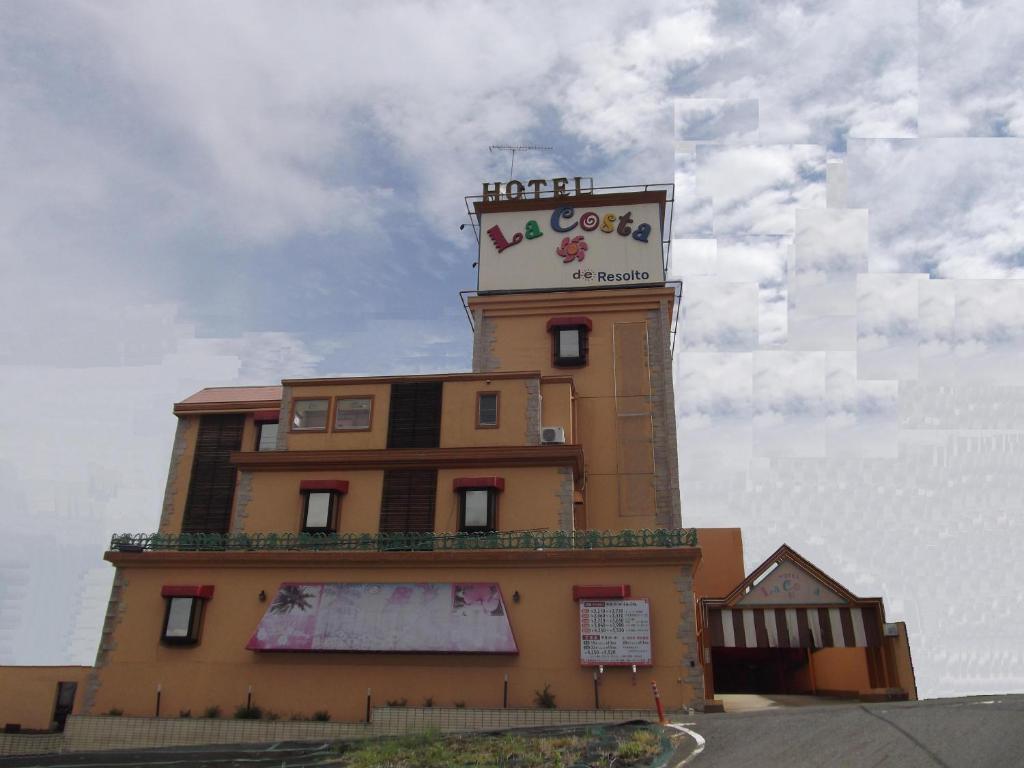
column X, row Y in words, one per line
column 402, row 542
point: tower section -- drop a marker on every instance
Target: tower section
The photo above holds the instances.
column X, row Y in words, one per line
column 574, row 287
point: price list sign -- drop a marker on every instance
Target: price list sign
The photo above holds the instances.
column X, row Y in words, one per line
column 615, row 632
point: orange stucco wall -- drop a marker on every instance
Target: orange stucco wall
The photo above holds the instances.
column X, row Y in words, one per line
column 841, row 670
column 558, row 407
column 901, row 663
column 531, row 499
column 545, row 622
column 349, row 440
column 29, row 694
column 613, row 390
column 721, row 565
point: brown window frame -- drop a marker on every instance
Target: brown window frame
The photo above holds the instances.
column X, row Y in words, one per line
column 492, row 511
column 579, row 324
column 291, row 415
column 334, row 413
column 259, row 434
column 195, row 620
column 333, row 513
column 497, row 410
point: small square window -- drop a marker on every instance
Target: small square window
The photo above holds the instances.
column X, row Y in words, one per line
column 266, row 436
column 570, row 345
column 477, row 513
column 352, row 413
column 319, row 514
column 181, row 620
column 487, row 409
column 310, row 414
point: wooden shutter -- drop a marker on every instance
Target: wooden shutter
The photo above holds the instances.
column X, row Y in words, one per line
column 407, row 503
column 414, row 417
column 211, row 488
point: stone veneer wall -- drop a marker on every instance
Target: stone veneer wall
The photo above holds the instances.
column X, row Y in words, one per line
column 666, row 462
column 484, row 338
column 533, row 406
column 565, row 499
column 282, row 420
column 693, row 669
column 243, row 495
column 181, row 439
column 115, row 610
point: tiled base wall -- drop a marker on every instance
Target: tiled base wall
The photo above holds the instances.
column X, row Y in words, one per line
column 86, row 733
column 30, row 743
column 413, row 719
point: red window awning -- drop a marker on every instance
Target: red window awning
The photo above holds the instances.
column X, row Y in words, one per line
column 204, row 591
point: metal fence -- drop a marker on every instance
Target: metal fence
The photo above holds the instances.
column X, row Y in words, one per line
column 403, row 542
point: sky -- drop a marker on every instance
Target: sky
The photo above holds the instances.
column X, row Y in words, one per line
column 206, row 194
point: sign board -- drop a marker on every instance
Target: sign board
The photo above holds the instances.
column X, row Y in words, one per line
column 789, row 584
column 579, row 242
column 409, row 618
column 615, row 632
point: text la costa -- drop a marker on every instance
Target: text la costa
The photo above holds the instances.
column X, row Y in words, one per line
column 564, row 219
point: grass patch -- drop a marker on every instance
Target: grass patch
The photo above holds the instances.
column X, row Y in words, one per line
column 634, row 745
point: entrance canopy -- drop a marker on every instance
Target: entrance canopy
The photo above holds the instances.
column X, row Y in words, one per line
column 789, row 603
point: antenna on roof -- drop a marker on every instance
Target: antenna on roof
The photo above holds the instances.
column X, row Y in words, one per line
column 513, row 148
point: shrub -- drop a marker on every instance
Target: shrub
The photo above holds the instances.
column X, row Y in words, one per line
column 271, row 715
column 460, row 705
column 397, row 702
column 428, row 702
column 212, row 712
column 114, row 712
column 321, row 716
column 297, row 716
column 243, row 712
column 185, row 713
column 545, row 699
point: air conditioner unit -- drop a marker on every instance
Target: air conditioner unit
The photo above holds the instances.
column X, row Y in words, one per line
column 890, row 630
column 552, row 435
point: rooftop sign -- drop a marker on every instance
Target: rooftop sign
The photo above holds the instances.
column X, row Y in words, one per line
column 586, row 241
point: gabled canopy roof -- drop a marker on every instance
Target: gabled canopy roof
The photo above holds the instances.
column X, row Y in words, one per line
column 787, row 578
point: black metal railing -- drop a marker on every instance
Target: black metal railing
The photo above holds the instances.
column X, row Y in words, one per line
column 403, row 542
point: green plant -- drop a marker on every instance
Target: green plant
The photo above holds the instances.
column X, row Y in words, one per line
column 114, row 712
column 321, row 716
column 185, row 713
column 270, row 715
column 641, row 745
column 428, row 702
column 460, row 705
column 244, row 712
column 545, row 699
column 297, row 717
column 397, row 702
column 212, row 712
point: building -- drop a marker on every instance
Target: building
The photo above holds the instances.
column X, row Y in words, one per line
column 481, row 539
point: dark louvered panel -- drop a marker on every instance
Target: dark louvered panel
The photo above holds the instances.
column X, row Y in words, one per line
column 414, row 416
column 211, row 488
column 407, row 504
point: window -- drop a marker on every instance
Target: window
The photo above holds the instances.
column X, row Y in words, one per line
column 266, row 436
column 478, row 503
column 407, row 501
column 321, row 504
column 211, row 487
column 266, row 429
column 486, row 409
column 414, row 414
column 569, row 339
column 353, row 413
column 310, row 414
column 183, row 615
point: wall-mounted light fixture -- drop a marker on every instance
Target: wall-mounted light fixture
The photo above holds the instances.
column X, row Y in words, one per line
column 515, row 596
column 263, row 596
